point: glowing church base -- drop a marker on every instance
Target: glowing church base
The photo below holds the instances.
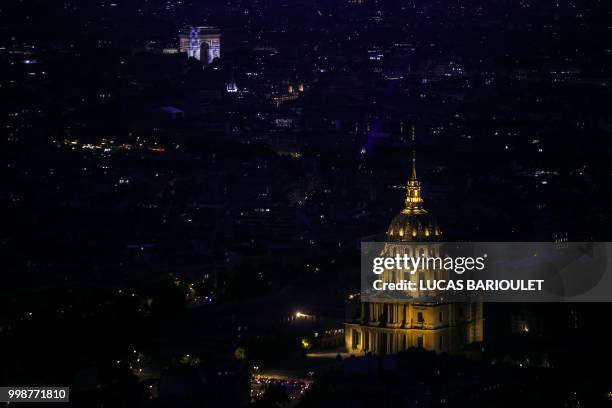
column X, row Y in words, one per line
column 395, row 327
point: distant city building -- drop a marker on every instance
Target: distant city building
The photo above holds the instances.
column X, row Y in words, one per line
column 387, row 327
column 202, row 43
column 230, row 86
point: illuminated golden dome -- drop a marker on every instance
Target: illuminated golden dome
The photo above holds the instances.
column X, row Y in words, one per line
column 413, row 223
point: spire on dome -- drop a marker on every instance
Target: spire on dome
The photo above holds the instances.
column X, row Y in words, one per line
column 414, row 201
column 413, row 176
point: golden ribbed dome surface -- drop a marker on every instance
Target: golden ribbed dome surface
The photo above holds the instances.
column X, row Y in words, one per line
column 413, row 223
column 407, row 227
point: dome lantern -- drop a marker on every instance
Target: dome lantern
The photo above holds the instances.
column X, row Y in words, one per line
column 413, row 223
